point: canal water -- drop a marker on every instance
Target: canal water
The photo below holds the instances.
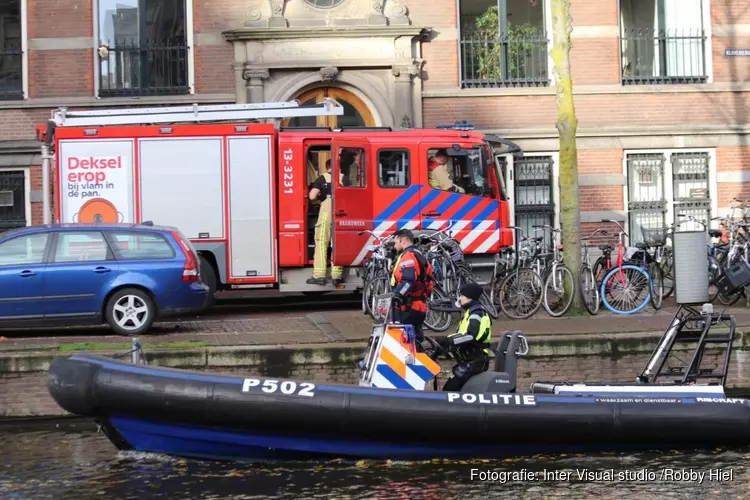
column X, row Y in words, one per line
column 69, row 460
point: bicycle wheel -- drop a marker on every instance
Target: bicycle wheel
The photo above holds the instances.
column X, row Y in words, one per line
column 714, row 275
column 437, row 321
column 589, row 290
column 657, row 285
column 559, row 291
column 378, row 285
column 521, row 294
column 626, row 289
column 667, row 271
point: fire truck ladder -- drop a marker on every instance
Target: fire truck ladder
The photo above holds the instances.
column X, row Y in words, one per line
column 61, row 117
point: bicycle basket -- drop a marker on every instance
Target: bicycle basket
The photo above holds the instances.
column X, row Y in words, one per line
column 453, row 248
column 655, row 237
column 382, row 309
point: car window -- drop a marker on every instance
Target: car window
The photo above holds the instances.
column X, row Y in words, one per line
column 140, row 246
column 83, row 246
column 23, row 250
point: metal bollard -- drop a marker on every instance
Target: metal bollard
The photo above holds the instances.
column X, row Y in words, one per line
column 135, row 353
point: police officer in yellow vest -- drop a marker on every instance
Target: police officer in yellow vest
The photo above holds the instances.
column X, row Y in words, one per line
column 470, row 344
column 322, row 190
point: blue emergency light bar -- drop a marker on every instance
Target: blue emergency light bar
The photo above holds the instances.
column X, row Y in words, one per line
column 459, row 125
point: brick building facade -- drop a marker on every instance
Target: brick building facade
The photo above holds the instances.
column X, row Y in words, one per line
column 662, row 97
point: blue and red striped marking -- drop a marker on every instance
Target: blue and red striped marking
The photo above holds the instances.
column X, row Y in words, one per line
column 474, row 219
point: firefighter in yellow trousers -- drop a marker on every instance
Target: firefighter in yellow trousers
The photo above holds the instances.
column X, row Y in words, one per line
column 322, row 190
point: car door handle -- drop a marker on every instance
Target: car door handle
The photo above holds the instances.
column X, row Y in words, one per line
column 27, row 274
column 432, row 214
column 340, row 213
column 102, row 270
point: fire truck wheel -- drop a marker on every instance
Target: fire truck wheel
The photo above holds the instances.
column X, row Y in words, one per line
column 130, row 311
column 208, row 276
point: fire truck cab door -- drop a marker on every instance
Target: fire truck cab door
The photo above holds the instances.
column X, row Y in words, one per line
column 460, row 195
column 352, row 188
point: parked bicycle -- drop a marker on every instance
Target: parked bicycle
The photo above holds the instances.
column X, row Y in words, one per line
column 559, row 283
column 517, row 286
column 587, row 280
column 634, row 281
column 451, row 271
column 377, row 268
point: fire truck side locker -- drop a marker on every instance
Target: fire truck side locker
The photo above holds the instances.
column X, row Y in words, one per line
column 225, row 210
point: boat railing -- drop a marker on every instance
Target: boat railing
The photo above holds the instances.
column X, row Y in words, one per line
column 137, row 355
column 690, row 326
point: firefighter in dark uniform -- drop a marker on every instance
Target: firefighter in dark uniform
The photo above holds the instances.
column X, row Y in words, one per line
column 321, row 190
column 411, row 282
column 470, row 345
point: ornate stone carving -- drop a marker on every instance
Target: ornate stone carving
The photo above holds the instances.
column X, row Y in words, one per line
column 395, row 10
column 255, row 74
column 405, row 70
column 253, row 14
column 328, row 74
column 406, row 122
column 376, row 17
column 277, row 8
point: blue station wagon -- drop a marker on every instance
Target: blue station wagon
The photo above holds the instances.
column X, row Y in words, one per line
column 125, row 275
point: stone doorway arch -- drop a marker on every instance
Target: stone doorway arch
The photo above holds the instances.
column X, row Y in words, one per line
column 356, row 112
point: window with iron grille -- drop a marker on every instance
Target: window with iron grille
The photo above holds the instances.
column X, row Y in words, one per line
column 12, row 199
column 663, row 41
column 11, row 55
column 534, row 195
column 664, row 185
column 503, row 43
column 143, row 48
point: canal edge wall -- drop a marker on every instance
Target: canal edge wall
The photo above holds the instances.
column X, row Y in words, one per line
column 607, row 358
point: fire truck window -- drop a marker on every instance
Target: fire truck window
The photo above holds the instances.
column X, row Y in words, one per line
column 352, row 164
column 458, row 174
column 393, row 168
column 316, row 162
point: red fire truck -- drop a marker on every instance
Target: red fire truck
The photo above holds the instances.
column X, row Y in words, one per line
column 238, row 188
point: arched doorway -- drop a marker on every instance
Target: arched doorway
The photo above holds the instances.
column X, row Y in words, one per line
column 356, row 113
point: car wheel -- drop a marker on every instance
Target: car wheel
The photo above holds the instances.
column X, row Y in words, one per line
column 130, row 312
column 208, row 276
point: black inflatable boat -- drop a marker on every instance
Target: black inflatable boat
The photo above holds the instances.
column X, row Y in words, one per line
column 212, row 416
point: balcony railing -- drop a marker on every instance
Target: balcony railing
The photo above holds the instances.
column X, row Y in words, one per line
column 135, row 68
column 652, row 56
column 11, row 73
column 506, row 62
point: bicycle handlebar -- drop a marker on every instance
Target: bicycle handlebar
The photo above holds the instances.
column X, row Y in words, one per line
column 371, row 233
column 602, row 231
column 547, row 226
column 690, row 217
column 618, row 225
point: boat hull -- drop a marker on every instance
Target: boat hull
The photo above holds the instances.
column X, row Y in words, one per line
column 195, row 414
column 215, row 444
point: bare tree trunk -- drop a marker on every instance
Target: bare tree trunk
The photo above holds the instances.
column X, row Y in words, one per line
column 570, row 215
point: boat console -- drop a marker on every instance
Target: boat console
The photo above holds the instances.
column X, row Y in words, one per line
column 502, row 378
